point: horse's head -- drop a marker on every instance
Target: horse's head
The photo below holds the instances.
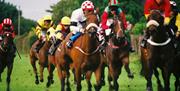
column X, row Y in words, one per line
column 117, row 30
column 91, row 24
column 7, row 41
column 155, row 22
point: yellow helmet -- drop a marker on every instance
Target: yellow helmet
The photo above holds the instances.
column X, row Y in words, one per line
column 66, row 20
column 47, row 17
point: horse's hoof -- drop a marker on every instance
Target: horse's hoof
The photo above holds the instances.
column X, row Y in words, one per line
column 149, row 89
column 36, row 82
column 48, row 84
column 68, row 89
column 131, row 75
column 42, row 80
column 103, row 83
column 52, row 81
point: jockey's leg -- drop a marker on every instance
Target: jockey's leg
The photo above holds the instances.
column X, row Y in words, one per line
column 73, row 39
column 39, row 45
column 131, row 49
column 144, row 40
column 54, row 46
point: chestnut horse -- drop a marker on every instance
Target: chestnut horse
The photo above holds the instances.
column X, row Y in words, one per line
column 159, row 52
column 83, row 57
column 116, row 53
column 7, row 57
column 42, row 56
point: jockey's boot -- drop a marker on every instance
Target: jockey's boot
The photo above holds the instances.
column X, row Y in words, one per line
column 72, row 39
column 39, row 45
column 144, row 40
column 53, row 47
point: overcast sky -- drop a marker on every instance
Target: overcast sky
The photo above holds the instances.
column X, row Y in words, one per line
column 33, row 9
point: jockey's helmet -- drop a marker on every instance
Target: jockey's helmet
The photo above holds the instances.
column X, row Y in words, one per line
column 47, row 18
column 173, row 3
column 113, row 3
column 65, row 20
column 87, row 5
column 7, row 21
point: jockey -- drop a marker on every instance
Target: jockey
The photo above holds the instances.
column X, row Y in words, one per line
column 43, row 25
column 175, row 18
column 163, row 6
column 112, row 9
column 78, row 20
column 7, row 26
column 56, row 36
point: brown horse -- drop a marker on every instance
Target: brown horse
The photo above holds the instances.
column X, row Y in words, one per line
column 116, row 53
column 7, row 56
column 159, row 52
column 83, row 57
column 42, row 56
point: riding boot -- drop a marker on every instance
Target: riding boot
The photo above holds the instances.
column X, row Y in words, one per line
column 39, row 45
column 144, row 40
column 102, row 39
column 72, row 39
column 53, row 47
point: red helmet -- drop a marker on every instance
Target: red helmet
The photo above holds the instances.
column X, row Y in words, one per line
column 87, row 5
column 7, row 21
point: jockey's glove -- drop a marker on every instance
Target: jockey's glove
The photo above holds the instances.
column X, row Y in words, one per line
column 166, row 20
column 82, row 30
column 146, row 15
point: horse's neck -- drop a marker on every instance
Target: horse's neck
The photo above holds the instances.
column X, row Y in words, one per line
column 46, row 45
column 160, row 35
column 87, row 43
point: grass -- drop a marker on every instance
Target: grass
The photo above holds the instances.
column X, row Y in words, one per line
column 22, row 78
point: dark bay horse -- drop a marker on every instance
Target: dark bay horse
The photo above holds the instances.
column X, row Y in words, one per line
column 116, row 53
column 82, row 58
column 159, row 52
column 42, row 58
column 7, row 56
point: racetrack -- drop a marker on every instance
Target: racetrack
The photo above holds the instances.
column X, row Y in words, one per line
column 22, row 78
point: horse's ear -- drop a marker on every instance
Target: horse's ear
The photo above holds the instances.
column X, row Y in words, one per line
column 97, row 11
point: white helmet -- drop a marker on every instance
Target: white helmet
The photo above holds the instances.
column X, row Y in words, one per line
column 173, row 3
column 87, row 5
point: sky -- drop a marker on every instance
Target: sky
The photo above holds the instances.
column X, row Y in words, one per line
column 33, row 9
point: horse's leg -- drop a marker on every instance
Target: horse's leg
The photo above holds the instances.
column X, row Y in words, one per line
column 156, row 73
column 148, row 75
column 110, row 79
column 8, row 79
column 98, row 75
column 41, row 72
column 88, row 78
column 103, row 75
column 67, row 80
column 78, row 78
column 51, row 68
column 126, row 66
column 177, row 83
column 33, row 63
column 166, row 77
column 61, row 77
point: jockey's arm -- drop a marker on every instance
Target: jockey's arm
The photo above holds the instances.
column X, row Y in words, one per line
column 167, row 12
column 38, row 31
column 104, row 18
column 123, row 20
column 147, row 6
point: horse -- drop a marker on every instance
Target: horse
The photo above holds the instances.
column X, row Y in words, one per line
column 42, row 56
column 7, row 56
column 159, row 52
column 82, row 58
column 116, row 53
column 52, row 64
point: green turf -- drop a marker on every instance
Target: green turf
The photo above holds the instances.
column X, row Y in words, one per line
column 23, row 78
